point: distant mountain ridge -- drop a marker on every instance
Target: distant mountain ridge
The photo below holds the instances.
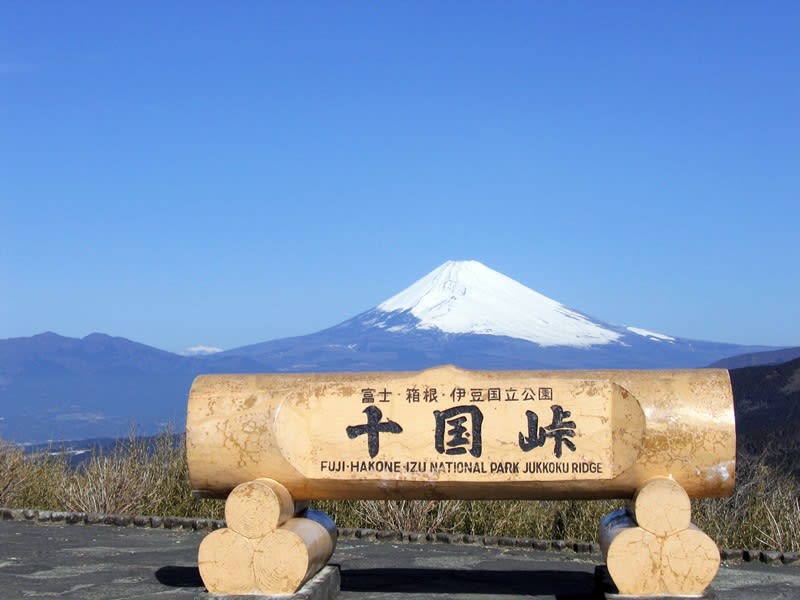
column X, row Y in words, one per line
column 767, row 402
column 462, row 313
column 55, row 388
column 756, row 359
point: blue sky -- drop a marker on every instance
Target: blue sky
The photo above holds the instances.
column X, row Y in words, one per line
column 227, row 173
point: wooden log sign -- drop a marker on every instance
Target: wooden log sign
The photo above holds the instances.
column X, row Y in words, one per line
column 451, row 433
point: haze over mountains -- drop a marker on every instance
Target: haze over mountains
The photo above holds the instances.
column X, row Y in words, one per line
column 462, row 313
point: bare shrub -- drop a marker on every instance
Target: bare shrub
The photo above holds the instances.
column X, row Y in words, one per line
column 139, row 476
column 574, row 520
column 173, row 491
column 783, row 529
column 763, row 511
column 30, row 481
column 559, row 519
column 45, row 474
column 425, row 516
column 345, row 513
column 124, row 481
column 12, row 473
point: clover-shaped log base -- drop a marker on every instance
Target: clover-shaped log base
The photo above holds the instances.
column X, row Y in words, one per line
column 265, row 549
column 652, row 549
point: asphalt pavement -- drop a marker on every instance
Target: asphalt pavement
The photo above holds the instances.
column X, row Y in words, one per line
column 93, row 562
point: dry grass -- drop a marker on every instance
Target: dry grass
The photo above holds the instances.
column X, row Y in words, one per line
column 425, row 516
column 125, row 481
column 12, row 473
column 571, row 520
column 150, row 476
column 29, row 480
column 763, row 511
column 146, row 476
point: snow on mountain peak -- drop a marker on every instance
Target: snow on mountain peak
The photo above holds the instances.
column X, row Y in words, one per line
column 469, row 297
column 656, row 337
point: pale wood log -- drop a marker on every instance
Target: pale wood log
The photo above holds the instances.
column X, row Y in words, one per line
column 632, row 555
column 690, row 562
column 662, row 507
column 631, row 427
column 255, row 508
column 280, row 562
column 292, row 554
column 225, row 560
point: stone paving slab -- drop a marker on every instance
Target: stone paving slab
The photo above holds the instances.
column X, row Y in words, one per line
column 93, row 562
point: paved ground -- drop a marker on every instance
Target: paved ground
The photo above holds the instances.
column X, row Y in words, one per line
column 94, row 562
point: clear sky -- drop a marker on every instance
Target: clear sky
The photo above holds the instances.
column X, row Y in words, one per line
column 224, row 173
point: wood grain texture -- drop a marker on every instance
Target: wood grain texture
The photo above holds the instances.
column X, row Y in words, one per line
column 308, row 431
column 691, row 561
column 225, row 561
column 255, row 508
column 662, row 507
column 633, row 556
column 284, row 559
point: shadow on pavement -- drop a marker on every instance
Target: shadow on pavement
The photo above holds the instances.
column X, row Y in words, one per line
column 181, row 577
column 564, row 585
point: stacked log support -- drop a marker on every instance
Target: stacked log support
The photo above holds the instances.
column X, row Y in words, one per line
column 652, row 548
column 272, row 544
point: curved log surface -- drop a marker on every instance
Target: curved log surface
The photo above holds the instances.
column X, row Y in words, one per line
column 451, row 433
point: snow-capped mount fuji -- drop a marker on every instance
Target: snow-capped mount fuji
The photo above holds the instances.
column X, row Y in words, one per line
column 468, row 297
column 467, row 314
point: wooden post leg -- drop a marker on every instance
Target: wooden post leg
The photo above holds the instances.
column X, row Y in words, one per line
column 225, row 560
column 632, row 554
column 652, row 549
column 691, row 561
column 294, row 553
